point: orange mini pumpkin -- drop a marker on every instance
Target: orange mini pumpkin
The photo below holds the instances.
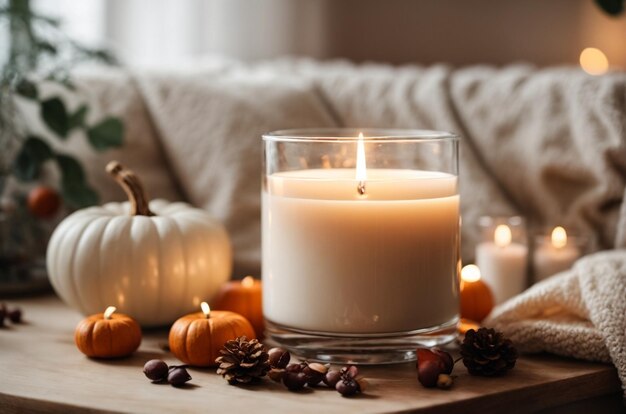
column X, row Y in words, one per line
column 244, row 298
column 196, row 339
column 107, row 335
column 476, row 297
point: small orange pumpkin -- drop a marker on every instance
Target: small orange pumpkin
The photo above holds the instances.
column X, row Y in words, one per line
column 476, row 297
column 107, row 335
column 245, row 298
column 196, row 339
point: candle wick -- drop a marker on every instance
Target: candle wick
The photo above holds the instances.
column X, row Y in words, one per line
column 361, row 188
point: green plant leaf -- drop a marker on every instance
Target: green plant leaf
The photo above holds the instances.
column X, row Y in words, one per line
column 72, row 173
column 612, row 7
column 55, row 116
column 27, row 163
column 108, row 133
column 77, row 119
column 75, row 190
column 79, row 195
column 27, row 89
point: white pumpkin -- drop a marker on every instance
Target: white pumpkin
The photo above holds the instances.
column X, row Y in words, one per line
column 153, row 261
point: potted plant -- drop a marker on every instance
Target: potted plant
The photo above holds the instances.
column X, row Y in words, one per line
column 40, row 54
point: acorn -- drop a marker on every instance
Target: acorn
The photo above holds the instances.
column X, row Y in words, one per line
column 428, row 373
column 156, row 370
column 293, row 377
column 314, row 372
column 279, row 358
column 178, row 376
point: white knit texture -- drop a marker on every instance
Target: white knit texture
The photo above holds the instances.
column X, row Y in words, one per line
column 580, row 313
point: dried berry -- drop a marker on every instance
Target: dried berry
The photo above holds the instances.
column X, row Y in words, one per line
column 178, row 376
column 332, row 377
column 279, row 357
column 156, row 370
column 349, row 381
column 350, row 371
column 293, row 378
column 15, row 315
column 43, row 202
column 444, row 381
column 428, row 372
column 347, row 387
column 314, row 372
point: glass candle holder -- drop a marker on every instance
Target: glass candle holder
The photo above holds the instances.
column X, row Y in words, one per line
column 502, row 256
column 360, row 242
column 556, row 250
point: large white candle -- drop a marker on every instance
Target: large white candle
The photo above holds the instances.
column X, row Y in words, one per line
column 503, row 264
column 554, row 255
column 338, row 261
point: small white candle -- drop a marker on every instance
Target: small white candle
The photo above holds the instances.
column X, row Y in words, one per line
column 554, row 255
column 503, row 264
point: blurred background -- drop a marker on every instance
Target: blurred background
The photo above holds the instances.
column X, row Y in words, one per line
column 161, row 33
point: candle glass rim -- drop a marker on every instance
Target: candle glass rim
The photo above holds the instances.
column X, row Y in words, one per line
column 377, row 135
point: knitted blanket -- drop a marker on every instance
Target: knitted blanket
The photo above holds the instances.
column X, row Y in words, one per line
column 580, row 313
column 548, row 144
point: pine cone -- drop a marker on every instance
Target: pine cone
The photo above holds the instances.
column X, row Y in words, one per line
column 243, row 361
column 487, row 353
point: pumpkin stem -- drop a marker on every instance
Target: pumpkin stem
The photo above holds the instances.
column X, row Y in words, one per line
column 133, row 188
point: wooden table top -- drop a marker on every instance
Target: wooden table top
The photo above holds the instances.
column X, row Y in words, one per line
column 42, row 371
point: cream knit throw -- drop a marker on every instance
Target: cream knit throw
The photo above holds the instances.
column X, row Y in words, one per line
column 580, row 313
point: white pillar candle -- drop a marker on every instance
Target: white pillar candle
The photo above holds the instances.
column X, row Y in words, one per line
column 554, row 254
column 503, row 264
column 336, row 261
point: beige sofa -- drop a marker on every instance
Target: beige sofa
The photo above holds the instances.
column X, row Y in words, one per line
column 548, row 144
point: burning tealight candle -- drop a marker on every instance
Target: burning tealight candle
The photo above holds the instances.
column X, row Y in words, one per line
column 503, row 264
column 107, row 335
column 554, row 254
column 476, row 297
column 243, row 297
column 197, row 338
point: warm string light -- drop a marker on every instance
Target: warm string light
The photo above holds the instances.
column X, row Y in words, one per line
column 559, row 237
column 109, row 312
column 502, row 236
column 206, row 309
column 361, row 170
column 594, row 61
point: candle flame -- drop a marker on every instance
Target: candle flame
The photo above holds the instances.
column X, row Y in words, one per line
column 247, row 282
column 109, row 311
column 470, row 273
column 361, row 170
column 502, row 236
column 559, row 237
column 206, row 309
